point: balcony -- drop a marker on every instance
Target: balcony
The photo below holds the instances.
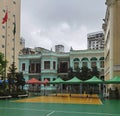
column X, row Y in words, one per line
column 63, row 70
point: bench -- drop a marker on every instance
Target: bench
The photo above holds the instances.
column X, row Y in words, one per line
column 5, row 97
column 21, row 96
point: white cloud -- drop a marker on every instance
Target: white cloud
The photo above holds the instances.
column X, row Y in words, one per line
column 67, row 22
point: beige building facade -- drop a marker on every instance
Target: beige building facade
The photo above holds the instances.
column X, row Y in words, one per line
column 10, row 43
column 111, row 28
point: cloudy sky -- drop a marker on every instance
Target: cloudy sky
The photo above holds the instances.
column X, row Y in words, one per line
column 46, row 23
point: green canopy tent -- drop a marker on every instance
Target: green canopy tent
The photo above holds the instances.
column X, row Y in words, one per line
column 94, row 80
column 74, row 80
column 114, row 80
column 58, row 81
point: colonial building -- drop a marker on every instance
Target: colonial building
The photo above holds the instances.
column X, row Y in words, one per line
column 10, row 42
column 111, row 28
column 46, row 64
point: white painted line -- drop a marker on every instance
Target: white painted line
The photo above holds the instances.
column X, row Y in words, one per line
column 71, row 112
column 25, row 109
column 102, row 114
column 50, row 113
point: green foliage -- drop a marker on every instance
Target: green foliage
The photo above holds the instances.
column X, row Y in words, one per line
column 85, row 73
column 95, row 71
column 70, row 73
column 3, row 64
column 20, row 81
column 16, row 81
column 12, row 69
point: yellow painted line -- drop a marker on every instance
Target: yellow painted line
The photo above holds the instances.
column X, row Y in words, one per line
column 76, row 99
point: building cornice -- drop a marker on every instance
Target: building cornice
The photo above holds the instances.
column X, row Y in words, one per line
column 110, row 2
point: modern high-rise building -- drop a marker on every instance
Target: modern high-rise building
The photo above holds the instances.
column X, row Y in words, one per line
column 111, row 28
column 95, row 40
column 10, row 41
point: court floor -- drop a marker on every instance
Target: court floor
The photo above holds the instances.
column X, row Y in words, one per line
column 35, row 107
column 65, row 98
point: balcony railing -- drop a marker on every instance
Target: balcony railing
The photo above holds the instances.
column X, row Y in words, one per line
column 39, row 71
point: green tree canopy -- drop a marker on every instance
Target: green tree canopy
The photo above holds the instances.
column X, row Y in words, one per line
column 3, row 64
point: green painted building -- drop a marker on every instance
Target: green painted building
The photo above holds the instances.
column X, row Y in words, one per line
column 44, row 64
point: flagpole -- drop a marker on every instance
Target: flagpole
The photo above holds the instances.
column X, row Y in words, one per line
column 5, row 46
column 14, row 38
column 14, row 31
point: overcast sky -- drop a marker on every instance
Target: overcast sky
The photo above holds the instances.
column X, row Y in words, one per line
column 46, row 23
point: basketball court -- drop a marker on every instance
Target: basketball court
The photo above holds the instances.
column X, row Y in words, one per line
column 60, row 105
column 65, row 99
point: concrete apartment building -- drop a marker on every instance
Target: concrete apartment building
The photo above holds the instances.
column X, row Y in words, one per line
column 10, row 43
column 111, row 28
column 95, row 40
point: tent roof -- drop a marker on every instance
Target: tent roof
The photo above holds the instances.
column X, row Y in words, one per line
column 94, row 79
column 115, row 79
column 34, row 81
column 74, row 80
column 45, row 81
column 57, row 81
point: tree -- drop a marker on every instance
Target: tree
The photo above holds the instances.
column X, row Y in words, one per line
column 12, row 77
column 20, row 80
column 70, row 73
column 3, row 84
column 12, row 69
column 3, row 64
column 77, row 72
column 85, row 73
column 95, row 71
column 16, row 81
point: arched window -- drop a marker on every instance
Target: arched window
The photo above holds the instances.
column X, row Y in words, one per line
column 84, row 61
column 93, row 61
column 101, row 58
column 76, row 59
column 101, row 62
column 76, row 63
